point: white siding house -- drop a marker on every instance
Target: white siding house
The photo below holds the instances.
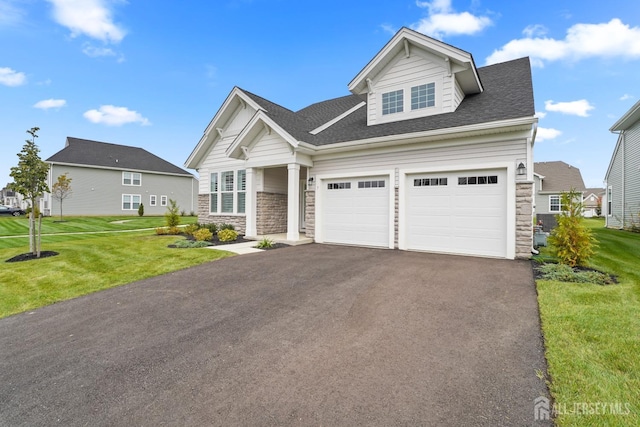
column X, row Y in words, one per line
column 621, row 204
column 428, row 153
column 112, row 179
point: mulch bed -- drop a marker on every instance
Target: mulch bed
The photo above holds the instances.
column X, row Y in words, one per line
column 216, row 242
column 28, row 256
column 539, row 275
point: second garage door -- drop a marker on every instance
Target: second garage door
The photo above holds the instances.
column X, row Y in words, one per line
column 457, row 212
column 356, row 211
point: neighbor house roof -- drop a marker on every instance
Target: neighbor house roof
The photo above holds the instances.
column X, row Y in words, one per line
column 508, row 94
column 84, row 152
column 559, row 176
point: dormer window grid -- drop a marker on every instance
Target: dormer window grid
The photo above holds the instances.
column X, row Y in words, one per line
column 393, row 102
column 423, row 96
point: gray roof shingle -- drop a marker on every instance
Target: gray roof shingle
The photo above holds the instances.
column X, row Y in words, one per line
column 102, row 154
column 559, row 176
column 508, row 94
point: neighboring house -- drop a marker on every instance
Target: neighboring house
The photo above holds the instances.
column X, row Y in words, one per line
column 551, row 180
column 111, row 179
column 622, row 181
column 592, row 202
column 9, row 197
column 428, row 153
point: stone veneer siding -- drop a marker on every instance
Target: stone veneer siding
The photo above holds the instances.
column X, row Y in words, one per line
column 271, row 213
column 310, row 213
column 204, row 217
column 524, row 219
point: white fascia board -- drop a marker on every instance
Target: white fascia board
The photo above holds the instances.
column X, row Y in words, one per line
column 511, row 125
column 337, row 119
column 259, row 118
column 629, row 118
column 207, row 140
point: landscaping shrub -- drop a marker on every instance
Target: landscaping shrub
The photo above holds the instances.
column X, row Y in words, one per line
column 226, row 235
column 161, row 231
column 265, row 243
column 566, row 273
column 225, row 226
column 191, row 244
column 173, row 230
column 572, row 242
column 183, row 213
column 171, row 216
column 202, row 234
column 211, row 227
column 141, row 209
column 190, row 229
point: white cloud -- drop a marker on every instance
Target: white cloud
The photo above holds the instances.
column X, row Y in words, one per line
column 576, row 108
column 540, row 114
column 545, row 134
column 95, row 52
column 111, row 115
column 92, row 18
column 535, row 30
column 10, row 14
column 625, row 97
column 9, row 77
column 607, row 40
column 50, row 103
column 444, row 21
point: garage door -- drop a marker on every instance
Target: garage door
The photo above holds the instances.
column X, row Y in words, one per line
column 461, row 212
column 355, row 211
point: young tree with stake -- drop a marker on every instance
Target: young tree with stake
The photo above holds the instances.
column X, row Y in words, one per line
column 61, row 190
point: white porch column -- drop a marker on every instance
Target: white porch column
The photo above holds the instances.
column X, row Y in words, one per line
column 293, row 202
column 250, row 203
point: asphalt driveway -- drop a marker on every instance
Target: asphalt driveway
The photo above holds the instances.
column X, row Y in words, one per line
column 307, row 335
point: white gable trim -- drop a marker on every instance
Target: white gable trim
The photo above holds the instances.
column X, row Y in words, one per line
column 628, row 119
column 459, row 61
column 213, row 132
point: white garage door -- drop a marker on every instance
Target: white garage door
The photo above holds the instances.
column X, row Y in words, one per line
column 459, row 212
column 355, row 211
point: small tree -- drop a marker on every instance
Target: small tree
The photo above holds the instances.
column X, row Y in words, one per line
column 30, row 180
column 171, row 216
column 572, row 241
column 61, row 190
column 599, row 206
column 141, row 209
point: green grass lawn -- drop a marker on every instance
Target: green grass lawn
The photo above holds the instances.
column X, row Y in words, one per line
column 592, row 337
column 87, row 262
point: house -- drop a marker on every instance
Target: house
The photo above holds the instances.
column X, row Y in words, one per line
column 551, row 180
column 12, row 198
column 622, row 180
column 111, row 179
column 427, row 153
column 592, row 202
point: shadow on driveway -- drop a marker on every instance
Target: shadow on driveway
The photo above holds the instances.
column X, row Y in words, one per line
column 306, row 335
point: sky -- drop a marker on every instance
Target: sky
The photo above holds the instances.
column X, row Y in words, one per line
column 153, row 73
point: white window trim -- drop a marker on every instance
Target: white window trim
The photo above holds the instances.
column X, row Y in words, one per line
column 163, row 200
column 609, row 201
column 427, row 87
column 559, row 203
column 132, row 202
column 153, row 200
column 235, row 192
column 132, row 178
column 407, row 112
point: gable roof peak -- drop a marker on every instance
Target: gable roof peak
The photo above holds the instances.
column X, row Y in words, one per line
column 407, row 39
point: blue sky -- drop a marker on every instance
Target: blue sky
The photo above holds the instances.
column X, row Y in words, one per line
column 152, row 73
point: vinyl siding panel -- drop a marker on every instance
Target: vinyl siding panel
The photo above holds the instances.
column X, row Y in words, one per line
column 614, row 180
column 99, row 192
column 428, row 156
column 632, row 170
column 541, row 200
column 271, row 148
column 458, row 95
column 276, row 180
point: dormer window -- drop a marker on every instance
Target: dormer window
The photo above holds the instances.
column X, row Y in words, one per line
column 392, row 102
column 423, row 96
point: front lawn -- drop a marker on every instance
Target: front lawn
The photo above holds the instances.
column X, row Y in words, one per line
column 592, row 337
column 88, row 263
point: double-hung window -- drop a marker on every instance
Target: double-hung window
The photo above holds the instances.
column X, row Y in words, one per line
column 554, row 203
column 228, row 192
column 131, row 178
column 609, row 202
column 130, row 202
column 153, row 200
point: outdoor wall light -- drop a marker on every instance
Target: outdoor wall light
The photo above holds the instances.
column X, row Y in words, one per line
column 522, row 169
column 310, row 180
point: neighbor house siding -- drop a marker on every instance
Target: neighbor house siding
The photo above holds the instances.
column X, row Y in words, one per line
column 632, row 169
column 99, row 191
